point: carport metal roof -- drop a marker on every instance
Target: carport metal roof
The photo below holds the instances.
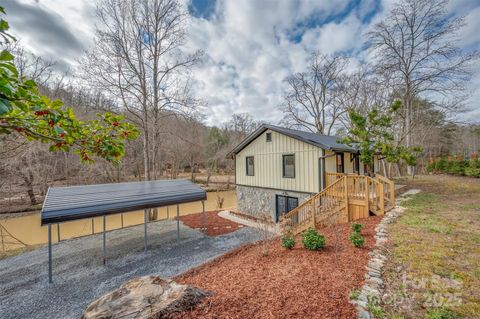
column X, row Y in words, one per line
column 77, row 202
column 64, row 204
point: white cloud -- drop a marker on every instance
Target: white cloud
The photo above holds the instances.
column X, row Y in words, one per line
column 334, row 37
column 471, row 34
column 250, row 46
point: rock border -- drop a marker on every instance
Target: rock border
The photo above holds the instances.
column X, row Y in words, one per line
column 374, row 284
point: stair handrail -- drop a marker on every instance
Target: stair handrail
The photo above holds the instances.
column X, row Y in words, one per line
column 324, row 191
column 389, row 191
column 328, row 191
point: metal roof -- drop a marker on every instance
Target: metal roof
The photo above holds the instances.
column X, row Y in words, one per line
column 77, row 202
column 327, row 142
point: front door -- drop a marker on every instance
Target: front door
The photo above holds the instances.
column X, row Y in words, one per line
column 284, row 204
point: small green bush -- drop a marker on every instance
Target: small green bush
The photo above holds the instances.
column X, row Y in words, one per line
column 440, row 313
column 357, row 227
column 357, row 239
column 288, row 241
column 312, row 240
column 356, row 236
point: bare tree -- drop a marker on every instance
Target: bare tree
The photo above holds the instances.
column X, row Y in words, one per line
column 242, row 124
column 416, row 44
column 311, row 101
column 137, row 57
column 32, row 66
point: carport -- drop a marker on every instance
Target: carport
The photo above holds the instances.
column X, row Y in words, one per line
column 63, row 204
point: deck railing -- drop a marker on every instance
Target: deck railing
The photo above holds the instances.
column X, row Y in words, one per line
column 317, row 209
column 331, row 178
column 331, row 205
column 388, row 189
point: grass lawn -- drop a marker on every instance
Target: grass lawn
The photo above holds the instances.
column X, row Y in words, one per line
column 434, row 266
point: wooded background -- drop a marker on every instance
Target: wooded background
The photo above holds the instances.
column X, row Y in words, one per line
column 138, row 67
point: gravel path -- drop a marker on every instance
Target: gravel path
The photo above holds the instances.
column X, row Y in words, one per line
column 79, row 276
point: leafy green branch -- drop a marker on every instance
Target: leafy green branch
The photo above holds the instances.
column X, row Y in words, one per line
column 24, row 111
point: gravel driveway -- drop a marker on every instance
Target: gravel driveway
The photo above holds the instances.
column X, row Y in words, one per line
column 79, row 276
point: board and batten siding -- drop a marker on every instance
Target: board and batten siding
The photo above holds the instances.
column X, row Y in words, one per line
column 331, row 163
column 268, row 170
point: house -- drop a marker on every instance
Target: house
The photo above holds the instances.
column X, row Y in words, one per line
column 277, row 168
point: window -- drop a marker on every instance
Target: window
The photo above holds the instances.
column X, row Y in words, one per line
column 269, row 137
column 340, row 163
column 250, row 165
column 289, row 166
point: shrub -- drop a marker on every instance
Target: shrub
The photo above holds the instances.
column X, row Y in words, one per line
column 472, row 172
column 356, row 236
column 357, row 227
column 457, row 166
column 312, row 240
column 357, row 239
column 288, row 241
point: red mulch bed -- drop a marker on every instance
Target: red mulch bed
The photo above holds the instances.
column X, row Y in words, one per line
column 216, row 225
column 285, row 284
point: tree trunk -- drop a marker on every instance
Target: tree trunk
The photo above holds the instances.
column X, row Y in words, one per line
column 146, row 156
column 28, row 180
column 408, row 125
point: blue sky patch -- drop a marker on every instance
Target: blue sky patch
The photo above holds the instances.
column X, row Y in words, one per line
column 201, row 8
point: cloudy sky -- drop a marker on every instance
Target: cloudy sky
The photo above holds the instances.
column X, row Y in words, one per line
column 250, row 45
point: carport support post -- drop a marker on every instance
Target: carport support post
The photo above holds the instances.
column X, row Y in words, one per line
column 50, row 253
column 178, row 222
column 104, row 240
column 145, row 227
column 204, row 222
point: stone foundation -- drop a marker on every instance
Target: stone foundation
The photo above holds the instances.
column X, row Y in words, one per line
column 256, row 200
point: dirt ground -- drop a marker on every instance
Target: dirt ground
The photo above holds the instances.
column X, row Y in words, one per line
column 215, row 224
column 286, row 283
column 434, row 268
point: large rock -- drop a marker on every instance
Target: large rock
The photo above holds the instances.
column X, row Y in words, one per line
column 145, row 297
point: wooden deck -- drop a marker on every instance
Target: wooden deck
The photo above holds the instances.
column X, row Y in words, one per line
column 346, row 198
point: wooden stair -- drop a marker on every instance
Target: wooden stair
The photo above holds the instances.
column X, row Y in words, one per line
column 346, row 198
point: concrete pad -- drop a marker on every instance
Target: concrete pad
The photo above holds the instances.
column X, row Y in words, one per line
column 248, row 222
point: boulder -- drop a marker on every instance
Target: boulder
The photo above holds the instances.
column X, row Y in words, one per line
column 145, row 297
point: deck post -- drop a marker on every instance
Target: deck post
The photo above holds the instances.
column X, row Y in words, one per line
column 392, row 194
column 145, row 228
column 204, row 218
column 50, row 253
column 178, row 222
column 104, row 239
column 345, row 189
column 382, row 198
column 367, row 195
